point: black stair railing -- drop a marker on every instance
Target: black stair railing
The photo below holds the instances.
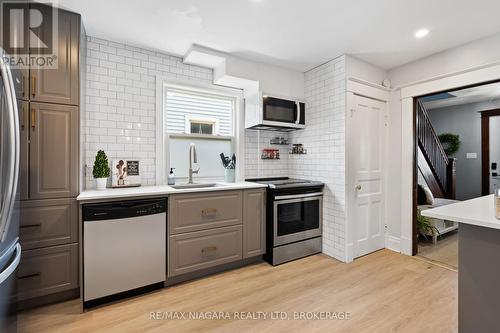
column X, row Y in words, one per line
column 442, row 167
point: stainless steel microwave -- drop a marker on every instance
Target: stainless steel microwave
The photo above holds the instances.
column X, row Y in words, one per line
column 277, row 114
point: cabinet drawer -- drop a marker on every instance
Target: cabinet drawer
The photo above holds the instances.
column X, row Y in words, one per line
column 193, row 212
column 48, row 222
column 202, row 249
column 47, row 271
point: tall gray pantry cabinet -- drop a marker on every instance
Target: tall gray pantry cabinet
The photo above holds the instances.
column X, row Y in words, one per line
column 49, row 103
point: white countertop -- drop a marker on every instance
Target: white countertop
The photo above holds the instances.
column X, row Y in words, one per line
column 144, row 191
column 479, row 212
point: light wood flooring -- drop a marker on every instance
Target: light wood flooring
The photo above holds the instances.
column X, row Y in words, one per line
column 383, row 291
column 445, row 251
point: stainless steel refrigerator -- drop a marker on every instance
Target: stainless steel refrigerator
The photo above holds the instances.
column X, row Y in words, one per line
column 10, row 250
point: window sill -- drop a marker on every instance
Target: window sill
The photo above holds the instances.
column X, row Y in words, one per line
column 201, row 136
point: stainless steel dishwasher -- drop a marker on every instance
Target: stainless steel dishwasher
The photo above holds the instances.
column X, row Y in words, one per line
column 124, row 248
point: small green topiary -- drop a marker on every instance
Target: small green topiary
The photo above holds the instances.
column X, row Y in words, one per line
column 101, row 165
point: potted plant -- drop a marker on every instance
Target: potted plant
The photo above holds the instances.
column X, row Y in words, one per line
column 101, row 170
column 424, row 226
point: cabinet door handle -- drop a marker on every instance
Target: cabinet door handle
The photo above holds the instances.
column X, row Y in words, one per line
column 209, row 213
column 33, row 118
column 23, row 92
column 23, row 117
column 30, row 226
column 29, row 276
column 33, row 89
column 208, row 249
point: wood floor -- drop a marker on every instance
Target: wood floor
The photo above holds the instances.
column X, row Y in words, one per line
column 445, row 251
column 383, row 292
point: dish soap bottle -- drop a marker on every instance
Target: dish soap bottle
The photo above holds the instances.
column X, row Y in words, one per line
column 171, row 177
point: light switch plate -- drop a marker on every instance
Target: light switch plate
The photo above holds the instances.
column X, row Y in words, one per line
column 471, row 156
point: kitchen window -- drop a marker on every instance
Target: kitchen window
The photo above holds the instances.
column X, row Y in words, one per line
column 192, row 111
column 206, row 115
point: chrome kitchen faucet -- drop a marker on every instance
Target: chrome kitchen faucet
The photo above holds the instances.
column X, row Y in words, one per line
column 192, row 159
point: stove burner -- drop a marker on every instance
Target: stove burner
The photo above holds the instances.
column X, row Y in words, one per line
column 284, row 182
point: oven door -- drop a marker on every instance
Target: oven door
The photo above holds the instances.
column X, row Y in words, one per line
column 297, row 217
column 282, row 112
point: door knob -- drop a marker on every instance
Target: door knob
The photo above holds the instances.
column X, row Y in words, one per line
column 358, row 188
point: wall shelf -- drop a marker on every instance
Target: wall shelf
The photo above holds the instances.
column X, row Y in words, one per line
column 297, row 149
column 279, row 142
column 270, row 154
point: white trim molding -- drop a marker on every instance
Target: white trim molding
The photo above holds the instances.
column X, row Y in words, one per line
column 442, row 76
column 377, row 92
column 392, row 243
column 368, row 89
column 474, row 76
column 462, row 79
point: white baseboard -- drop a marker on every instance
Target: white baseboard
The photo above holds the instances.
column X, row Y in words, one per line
column 406, row 246
column 393, row 243
column 349, row 253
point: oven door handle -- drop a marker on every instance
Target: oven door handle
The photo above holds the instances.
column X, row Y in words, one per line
column 298, row 196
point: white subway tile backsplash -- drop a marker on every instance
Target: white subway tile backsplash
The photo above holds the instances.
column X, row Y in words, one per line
column 120, row 101
column 324, row 138
column 255, row 167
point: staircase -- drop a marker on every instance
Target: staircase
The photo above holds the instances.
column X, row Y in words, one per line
column 438, row 170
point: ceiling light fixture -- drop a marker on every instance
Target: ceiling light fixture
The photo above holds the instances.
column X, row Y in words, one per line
column 421, row 33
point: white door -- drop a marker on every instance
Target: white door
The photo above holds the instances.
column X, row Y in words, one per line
column 367, row 133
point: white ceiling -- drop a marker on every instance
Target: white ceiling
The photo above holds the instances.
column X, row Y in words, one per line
column 485, row 93
column 298, row 34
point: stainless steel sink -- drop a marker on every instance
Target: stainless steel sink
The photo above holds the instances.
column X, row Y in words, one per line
column 194, row 185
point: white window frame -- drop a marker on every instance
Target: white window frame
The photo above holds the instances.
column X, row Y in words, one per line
column 201, row 120
column 162, row 162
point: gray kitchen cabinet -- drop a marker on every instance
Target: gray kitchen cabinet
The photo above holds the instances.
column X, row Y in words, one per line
column 203, row 249
column 23, row 109
column 53, row 151
column 20, row 48
column 48, row 101
column 254, row 223
column 209, row 229
column 202, row 211
column 59, row 85
column 48, row 222
column 48, row 270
